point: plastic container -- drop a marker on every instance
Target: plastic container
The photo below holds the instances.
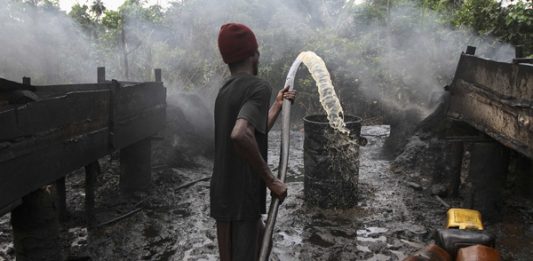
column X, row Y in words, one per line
column 478, row 253
column 431, row 252
column 463, row 218
column 454, row 239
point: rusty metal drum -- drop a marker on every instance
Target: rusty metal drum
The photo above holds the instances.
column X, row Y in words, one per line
column 331, row 162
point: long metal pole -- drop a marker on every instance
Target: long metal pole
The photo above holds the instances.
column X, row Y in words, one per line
column 282, row 170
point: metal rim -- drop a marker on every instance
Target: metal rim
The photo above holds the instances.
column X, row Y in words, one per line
column 322, row 119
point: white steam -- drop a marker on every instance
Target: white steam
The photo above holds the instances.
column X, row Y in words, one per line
column 400, row 62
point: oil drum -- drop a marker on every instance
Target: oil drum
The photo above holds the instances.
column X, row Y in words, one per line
column 331, row 162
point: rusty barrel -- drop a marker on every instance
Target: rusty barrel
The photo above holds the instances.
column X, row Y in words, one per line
column 331, row 164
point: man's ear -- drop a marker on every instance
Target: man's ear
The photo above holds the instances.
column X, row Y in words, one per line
column 256, row 57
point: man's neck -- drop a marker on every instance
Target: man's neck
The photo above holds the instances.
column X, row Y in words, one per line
column 242, row 71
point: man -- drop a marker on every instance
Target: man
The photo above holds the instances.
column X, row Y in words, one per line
column 242, row 122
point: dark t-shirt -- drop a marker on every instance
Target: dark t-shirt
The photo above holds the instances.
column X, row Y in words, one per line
column 237, row 192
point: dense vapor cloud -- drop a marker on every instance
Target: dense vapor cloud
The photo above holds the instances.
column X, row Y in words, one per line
column 401, row 62
column 44, row 44
column 420, row 55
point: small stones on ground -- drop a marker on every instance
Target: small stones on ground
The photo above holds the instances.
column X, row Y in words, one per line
column 439, row 190
column 417, row 229
column 395, row 244
column 414, row 185
column 322, row 240
column 412, row 244
column 377, row 246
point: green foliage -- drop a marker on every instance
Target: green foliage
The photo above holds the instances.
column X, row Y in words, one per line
column 518, row 25
column 112, row 20
column 480, row 15
column 98, row 8
column 81, row 15
column 513, row 24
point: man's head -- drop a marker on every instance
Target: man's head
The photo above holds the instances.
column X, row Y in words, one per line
column 238, row 46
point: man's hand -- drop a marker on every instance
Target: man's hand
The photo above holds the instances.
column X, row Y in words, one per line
column 278, row 189
column 285, row 94
column 276, row 107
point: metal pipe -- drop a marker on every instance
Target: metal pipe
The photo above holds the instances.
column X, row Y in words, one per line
column 284, row 158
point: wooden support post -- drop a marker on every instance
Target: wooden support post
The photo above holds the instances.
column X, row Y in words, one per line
column 26, row 80
column 61, row 199
column 100, row 74
column 486, row 177
column 453, row 156
column 157, row 74
column 91, row 171
column 471, row 50
column 135, row 167
column 522, row 175
column 527, row 183
column 519, row 51
column 36, row 227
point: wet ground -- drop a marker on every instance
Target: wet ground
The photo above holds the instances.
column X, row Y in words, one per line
column 391, row 219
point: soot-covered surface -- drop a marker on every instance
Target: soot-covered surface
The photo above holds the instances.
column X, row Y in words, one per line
column 174, row 223
column 390, row 220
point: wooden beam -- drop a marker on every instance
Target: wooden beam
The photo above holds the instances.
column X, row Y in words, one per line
column 25, row 173
column 497, row 99
column 86, row 110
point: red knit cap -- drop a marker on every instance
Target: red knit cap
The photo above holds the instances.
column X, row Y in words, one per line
column 236, row 42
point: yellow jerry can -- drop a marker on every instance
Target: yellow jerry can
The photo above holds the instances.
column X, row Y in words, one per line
column 463, row 218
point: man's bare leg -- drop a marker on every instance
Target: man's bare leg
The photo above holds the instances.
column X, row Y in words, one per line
column 224, row 240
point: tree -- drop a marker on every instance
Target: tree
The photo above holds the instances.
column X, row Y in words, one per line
column 81, row 15
column 98, row 8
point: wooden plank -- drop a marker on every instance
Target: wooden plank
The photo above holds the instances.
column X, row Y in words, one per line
column 511, row 126
column 21, row 175
column 65, row 88
column 495, row 98
column 496, row 77
column 138, row 98
column 143, row 125
column 72, row 109
column 524, row 82
column 504, row 80
column 10, row 150
column 48, row 91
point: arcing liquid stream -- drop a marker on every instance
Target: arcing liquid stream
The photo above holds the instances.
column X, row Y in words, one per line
column 341, row 147
column 328, row 98
column 331, row 105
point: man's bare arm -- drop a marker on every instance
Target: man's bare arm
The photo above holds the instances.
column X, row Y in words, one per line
column 243, row 138
column 276, row 107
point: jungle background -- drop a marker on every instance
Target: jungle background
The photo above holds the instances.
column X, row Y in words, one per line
column 389, row 59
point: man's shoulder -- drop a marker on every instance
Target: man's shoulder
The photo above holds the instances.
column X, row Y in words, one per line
column 251, row 80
